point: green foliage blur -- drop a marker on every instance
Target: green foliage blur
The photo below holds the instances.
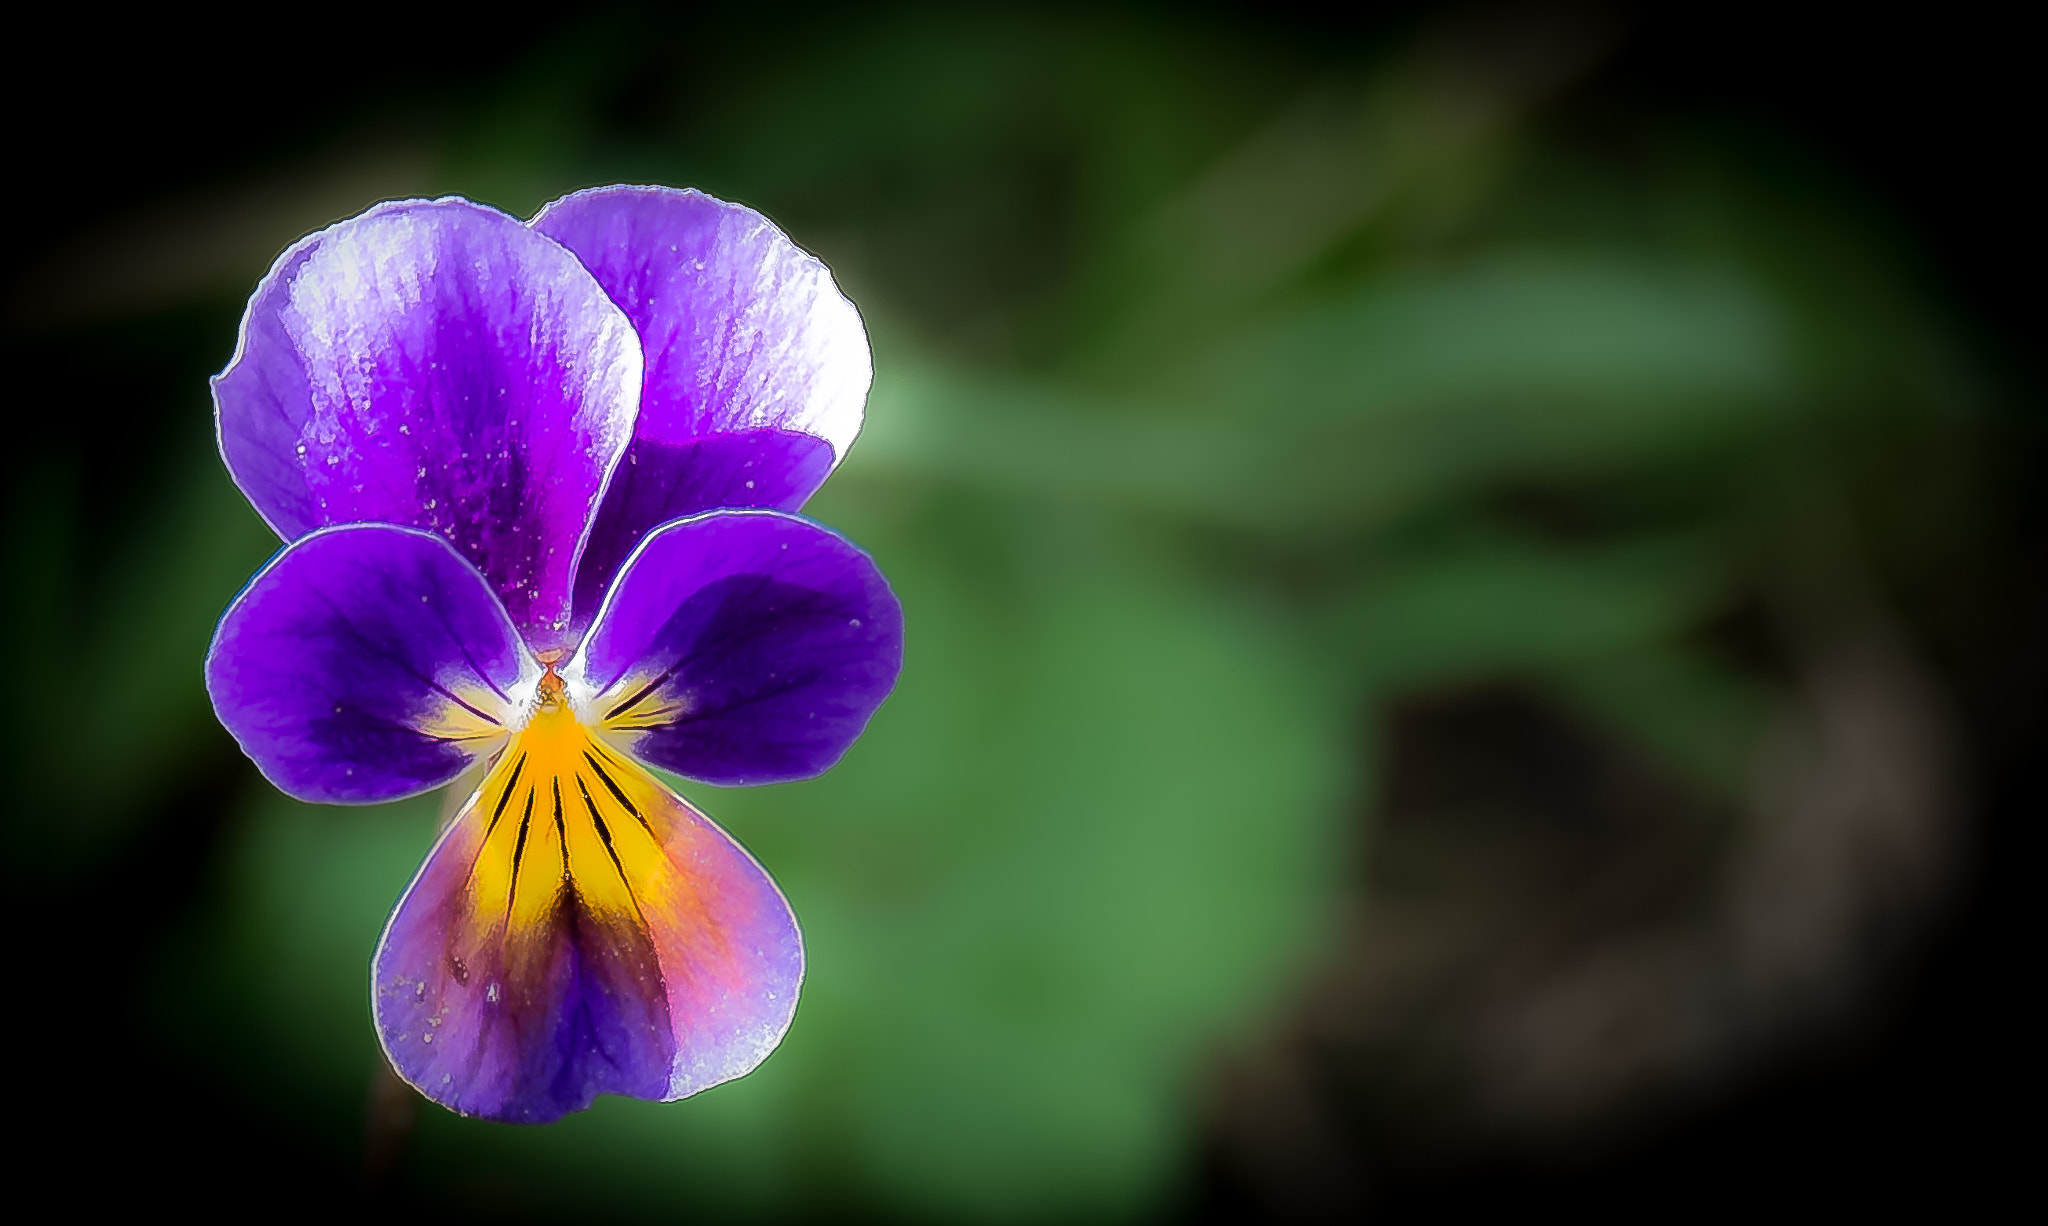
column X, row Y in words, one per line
column 1225, row 397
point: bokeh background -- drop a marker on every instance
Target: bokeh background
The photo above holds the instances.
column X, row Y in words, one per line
column 1474, row 594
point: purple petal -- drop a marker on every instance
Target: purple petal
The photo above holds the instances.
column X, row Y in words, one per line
column 439, row 365
column 582, row 930
column 366, row 663
column 742, row 647
column 659, row 482
column 745, row 335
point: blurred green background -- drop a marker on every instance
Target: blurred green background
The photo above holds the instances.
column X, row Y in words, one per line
column 1443, row 603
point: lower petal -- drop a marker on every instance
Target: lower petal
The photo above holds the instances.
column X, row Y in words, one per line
column 581, row 930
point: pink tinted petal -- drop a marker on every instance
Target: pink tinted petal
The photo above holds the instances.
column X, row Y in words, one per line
column 439, row 365
column 582, row 930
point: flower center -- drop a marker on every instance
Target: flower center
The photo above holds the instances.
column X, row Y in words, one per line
column 561, row 810
column 553, row 738
column 552, row 694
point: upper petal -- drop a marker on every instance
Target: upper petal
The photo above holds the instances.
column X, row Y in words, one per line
column 439, row 365
column 742, row 647
column 659, row 482
column 366, row 663
column 752, row 352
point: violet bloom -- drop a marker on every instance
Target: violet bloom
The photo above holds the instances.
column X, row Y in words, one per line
column 538, row 482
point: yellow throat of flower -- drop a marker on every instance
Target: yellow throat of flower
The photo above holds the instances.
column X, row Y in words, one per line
column 564, row 812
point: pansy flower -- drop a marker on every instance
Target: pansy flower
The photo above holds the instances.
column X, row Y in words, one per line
column 539, row 483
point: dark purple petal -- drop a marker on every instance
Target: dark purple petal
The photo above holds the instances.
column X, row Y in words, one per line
column 366, row 663
column 581, row 930
column 742, row 647
column 439, row 365
column 745, row 335
column 659, row 482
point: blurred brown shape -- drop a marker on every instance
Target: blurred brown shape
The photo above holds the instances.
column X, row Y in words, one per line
column 389, row 1116
column 1557, row 946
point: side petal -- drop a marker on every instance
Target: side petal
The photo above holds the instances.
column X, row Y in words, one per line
column 741, row 647
column 366, row 663
column 757, row 366
column 436, row 364
column 582, row 930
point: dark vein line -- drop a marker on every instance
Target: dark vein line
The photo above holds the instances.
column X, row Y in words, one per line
column 608, row 755
column 621, row 767
column 561, row 831
column 604, row 833
column 616, row 790
column 465, row 706
column 370, row 649
column 518, row 852
column 506, row 799
column 372, row 717
column 484, row 844
column 462, row 645
column 643, row 692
